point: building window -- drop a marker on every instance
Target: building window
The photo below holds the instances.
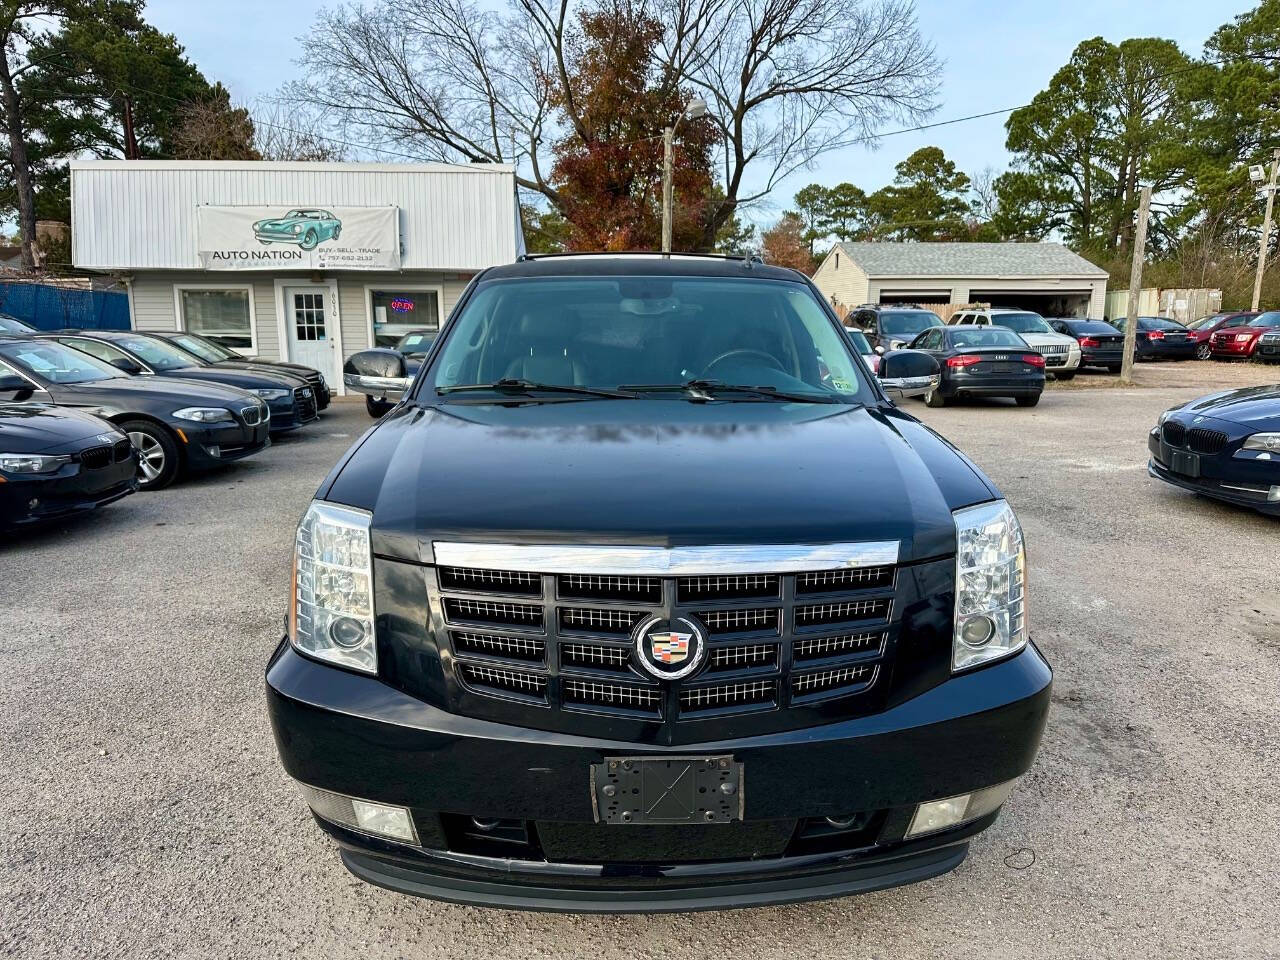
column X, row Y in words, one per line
column 222, row 315
column 397, row 311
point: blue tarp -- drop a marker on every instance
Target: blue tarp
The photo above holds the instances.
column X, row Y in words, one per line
column 51, row 308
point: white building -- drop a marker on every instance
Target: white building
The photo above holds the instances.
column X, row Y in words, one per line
column 308, row 262
column 1044, row 277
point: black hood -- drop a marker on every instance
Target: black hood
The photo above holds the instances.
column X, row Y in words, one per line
column 1254, row 409
column 294, row 377
column 158, row 396
column 37, row 428
column 657, row 472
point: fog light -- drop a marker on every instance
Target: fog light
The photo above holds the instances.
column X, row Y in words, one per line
column 214, row 451
column 379, row 819
column 953, row 811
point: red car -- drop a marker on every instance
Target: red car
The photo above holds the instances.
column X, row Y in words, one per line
column 1201, row 330
column 1241, row 340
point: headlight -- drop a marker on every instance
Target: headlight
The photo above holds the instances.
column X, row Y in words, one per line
column 30, row 462
column 1263, row 441
column 1242, row 337
column 331, row 616
column 297, row 228
column 205, row 414
column 272, row 394
column 991, row 613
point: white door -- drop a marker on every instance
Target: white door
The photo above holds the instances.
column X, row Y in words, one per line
column 309, row 326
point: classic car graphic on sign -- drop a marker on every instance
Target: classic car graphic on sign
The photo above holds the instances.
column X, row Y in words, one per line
column 306, row 227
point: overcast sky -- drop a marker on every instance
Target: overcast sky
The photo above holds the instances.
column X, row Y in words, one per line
column 997, row 54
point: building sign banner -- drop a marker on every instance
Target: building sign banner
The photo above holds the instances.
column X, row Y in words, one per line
column 298, row 238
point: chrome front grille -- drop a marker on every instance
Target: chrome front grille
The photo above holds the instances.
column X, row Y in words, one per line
column 775, row 642
column 1052, row 349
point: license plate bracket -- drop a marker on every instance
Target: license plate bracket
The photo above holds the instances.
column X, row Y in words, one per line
column 667, row 790
column 1181, row 462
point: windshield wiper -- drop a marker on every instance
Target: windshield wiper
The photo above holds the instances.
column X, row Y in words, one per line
column 520, row 385
column 706, row 389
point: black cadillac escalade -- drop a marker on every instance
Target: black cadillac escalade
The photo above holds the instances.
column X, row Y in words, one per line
column 647, row 597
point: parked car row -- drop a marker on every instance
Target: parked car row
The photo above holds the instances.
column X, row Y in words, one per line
column 87, row 417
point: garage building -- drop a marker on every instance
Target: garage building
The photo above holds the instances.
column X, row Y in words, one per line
column 1044, row 277
column 306, row 262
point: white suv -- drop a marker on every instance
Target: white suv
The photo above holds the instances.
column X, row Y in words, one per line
column 1061, row 353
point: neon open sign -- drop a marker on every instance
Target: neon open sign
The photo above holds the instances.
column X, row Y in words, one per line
column 402, row 305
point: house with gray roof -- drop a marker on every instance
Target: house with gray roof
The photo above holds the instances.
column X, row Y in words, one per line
column 1044, row 277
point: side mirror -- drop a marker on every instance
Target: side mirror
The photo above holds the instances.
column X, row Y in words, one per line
column 12, row 383
column 131, row 367
column 379, row 373
column 908, row 373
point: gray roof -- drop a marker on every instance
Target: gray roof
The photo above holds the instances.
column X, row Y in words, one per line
column 968, row 260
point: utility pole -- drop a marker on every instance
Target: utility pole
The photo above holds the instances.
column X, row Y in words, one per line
column 1135, row 286
column 668, row 143
column 1265, row 243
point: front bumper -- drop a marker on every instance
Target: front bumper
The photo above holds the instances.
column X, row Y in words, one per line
column 35, row 498
column 1243, row 482
column 1233, row 348
column 208, row 446
column 356, row 735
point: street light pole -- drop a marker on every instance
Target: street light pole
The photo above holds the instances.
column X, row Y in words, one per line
column 1265, row 242
column 696, row 107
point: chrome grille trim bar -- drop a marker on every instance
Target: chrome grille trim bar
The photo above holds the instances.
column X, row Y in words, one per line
column 633, row 561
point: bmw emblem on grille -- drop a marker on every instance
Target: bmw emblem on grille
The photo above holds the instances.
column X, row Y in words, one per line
column 670, row 649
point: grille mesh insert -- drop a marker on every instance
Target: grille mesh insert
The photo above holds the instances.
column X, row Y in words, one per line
column 824, row 681
column 740, row 621
column 818, row 648
column 1174, row 433
column 616, row 695
column 732, row 587
column 595, row 656
column 1206, row 441
column 493, row 611
column 744, row 657
column 492, row 645
column 746, row 693
column 95, row 457
column 586, row 586
column 490, row 581
column 505, row 681
column 821, row 613
column 590, row 620
column 857, row 578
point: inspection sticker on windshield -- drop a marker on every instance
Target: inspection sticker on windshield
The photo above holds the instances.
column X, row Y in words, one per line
column 841, row 384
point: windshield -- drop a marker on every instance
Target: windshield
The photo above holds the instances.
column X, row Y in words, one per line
column 898, row 322
column 859, row 341
column 985, row 337
column 1093, row 326
column 1268, row 319
column 156, row 354
column 607, row 332
column 1022, row 322
column 201, row 348
column 415, row 342
column 56, row 363
column 1207, row 321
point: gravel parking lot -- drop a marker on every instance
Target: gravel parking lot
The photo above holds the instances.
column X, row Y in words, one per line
column 146, row 814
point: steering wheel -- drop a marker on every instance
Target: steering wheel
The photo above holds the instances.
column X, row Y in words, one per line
column 769, row 359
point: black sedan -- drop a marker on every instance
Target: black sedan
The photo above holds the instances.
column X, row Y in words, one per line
column 177, row 426
column 1225, row 446
column 56, row 462
column 211, row 353
column 384, row 373
column 1101, row 344
column 292, row 402
column 982, row 362
column 1159, row 338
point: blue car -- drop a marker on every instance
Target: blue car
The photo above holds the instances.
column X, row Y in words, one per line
column 305, row 227
column 1225, row 446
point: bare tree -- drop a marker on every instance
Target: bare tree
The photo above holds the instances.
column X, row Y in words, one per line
column 986, row 201
column 289, row 131
column 786, row 80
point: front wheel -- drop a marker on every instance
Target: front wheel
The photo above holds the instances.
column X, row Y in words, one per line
column 157, row 453
column 1030, row 401
column 377, row 408
column 935, row 399
column 309, row 240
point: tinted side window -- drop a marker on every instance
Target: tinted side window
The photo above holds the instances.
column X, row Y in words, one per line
column 95, row 348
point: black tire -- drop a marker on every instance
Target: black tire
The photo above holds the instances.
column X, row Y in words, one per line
column 157, row 453
column 935, row 399
column 377, row 408
column 1030, row 401
column 1070, row 375
column 1113, row 367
